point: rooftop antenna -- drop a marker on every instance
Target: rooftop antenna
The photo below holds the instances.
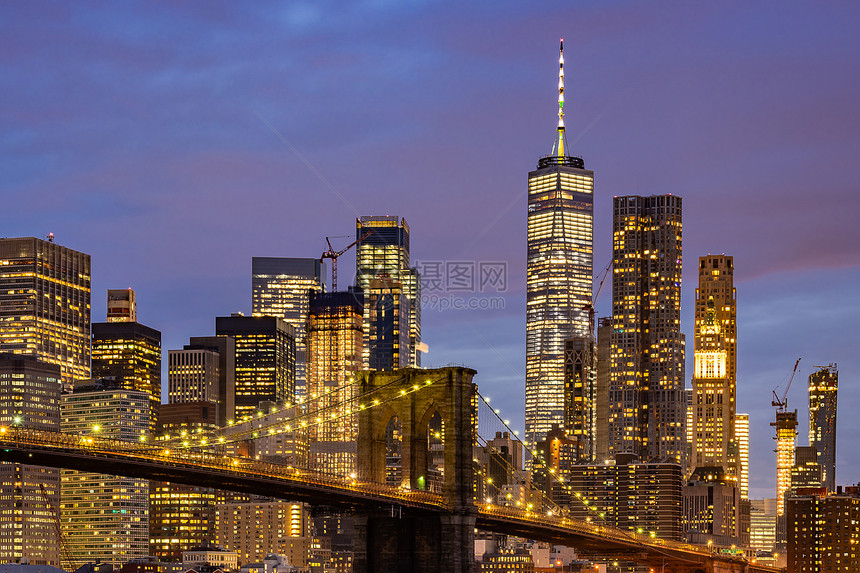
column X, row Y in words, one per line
column 561, row 139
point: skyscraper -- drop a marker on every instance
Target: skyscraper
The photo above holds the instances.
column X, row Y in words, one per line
column 647, row 406
column 559, row 274
column 786, row 440
column 823, row 385
column 713, row 433
column 280, row 287
column 45, row 304
column 30, row 397
column 382, row 254
column 335, row 335
column 105, row 517
column 265, row 359
column 742, row 436
column 128, row 351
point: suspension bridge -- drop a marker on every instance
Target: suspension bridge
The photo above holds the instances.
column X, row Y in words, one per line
column 433, row 528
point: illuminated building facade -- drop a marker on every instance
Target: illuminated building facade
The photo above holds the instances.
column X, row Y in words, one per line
column 823, row 385
column 29, row 396
column 711, row 508
column 265, row 359
column 557, row 454
column 580, row 394
column 335, row 341
column 604, row 330
column 192, row 376
column 822, row 531
column 560, row 238
column 742, row 437
column 806, row 472
column 763, row 527
column 105, row 517
column 121, row 305
column 257, row 528
column 131, row 353
column 181, row 516
column 384, row 255
column 630, row 494
column 45, row 304
column 786, row 438
column 647, row 406
column 386, row 328
column 280, row 287
column 225, row 346
column 713, row 432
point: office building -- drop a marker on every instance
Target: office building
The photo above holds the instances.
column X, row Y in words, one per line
column 742, row 437
column 644, row 497
column 822, row 530
column 823, row 385
column 29, row 397
column 121, row 305
column 763, row 528
column 105, row 517
column 386, row 328
column 786, row 440
column 45, row 304
column 580, row 394
column 711, row 508
column 601, row 448
column 647, row 407
column 335, row 340
column 558, row 274
column 181, row 517
column 392, row 291
column 205, row 371
column 807, row 472
column 715, row 354
column 130, row 353
column 280, row 287
column 265, row 359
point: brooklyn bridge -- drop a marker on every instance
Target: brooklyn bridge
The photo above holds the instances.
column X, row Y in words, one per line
column 399, row 527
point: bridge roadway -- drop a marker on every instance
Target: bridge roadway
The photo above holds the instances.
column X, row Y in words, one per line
column 240, row 474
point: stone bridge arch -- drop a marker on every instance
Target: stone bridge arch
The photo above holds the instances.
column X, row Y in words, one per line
column 414, row 395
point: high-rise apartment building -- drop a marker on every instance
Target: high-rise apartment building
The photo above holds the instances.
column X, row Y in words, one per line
column 580, row 394
column 45, row 304
column 105, row 517
column 823, row 385
column 647, row 406
column 786, row 440
column 29, row 397
column 280, row 287
column 254, row 529
column 742, row 436
column 715, row 354
column 806, row 472
column 822, row 531
column 560, row 240
column 335, row 332
column 129, row 352
column 382, row 271
column 711, row 508
column 604, row 330
column 265, row 359
column 121, row 305
column 632, row 495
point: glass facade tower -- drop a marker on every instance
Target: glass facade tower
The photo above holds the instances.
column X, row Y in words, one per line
column 280, row 287
column 823, row 385
column 560, row 238
column 45, row 304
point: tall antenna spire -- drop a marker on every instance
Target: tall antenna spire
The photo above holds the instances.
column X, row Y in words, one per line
column 561, row 140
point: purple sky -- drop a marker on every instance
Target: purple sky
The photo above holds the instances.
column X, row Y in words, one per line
column 174, row 141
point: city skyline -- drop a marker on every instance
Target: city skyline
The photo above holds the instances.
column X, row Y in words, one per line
column 153, row 149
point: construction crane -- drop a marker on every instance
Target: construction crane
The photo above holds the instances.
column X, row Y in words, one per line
column 782, row 404
column 65, row 554
column 590, row 305
column 333, row 255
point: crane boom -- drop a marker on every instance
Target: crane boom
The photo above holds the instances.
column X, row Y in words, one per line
column 590, row 306
column 333, row 255
column 65, row 554
column 782, row 404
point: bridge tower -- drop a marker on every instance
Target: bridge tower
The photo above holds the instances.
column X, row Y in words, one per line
column 406, row 541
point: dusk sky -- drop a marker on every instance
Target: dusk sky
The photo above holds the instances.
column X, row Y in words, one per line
column 175, row 141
